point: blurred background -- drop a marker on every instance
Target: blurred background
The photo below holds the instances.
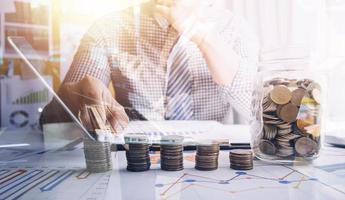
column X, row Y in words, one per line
column 55, row 27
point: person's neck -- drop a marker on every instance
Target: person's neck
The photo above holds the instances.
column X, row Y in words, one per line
column 148, row 9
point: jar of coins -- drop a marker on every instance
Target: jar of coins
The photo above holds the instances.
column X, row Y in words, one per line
column 287, row 109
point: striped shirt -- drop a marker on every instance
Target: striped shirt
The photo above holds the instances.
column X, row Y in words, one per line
column 137, row 67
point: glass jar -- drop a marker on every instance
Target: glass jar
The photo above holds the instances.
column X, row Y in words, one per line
column 287, row 113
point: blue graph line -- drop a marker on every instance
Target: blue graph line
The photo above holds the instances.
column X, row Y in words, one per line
column 321, row 182
column 20, row 181
column 238, row 174
column 50, row 186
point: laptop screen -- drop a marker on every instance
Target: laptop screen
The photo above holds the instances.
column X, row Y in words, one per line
column 36, row 69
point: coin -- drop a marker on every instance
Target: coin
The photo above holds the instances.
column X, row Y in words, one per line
column 280, row 95
column 288, row 113
column 172, row 155
column 137, row 155
column 267, row 147
column 297, row 96
column 284, row 126
column 290, row 110
column 314, row 130
column 305, row 83
column 241, row 159
column 285, row 152
column 268, row 105
column 302, row 123
column 284, row 131
column 206, row 158
column 97, row 156
column 305, row 147
column 270, row 132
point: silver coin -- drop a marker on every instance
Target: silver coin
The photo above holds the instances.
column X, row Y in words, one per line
column 267, row 147
column 305, row 146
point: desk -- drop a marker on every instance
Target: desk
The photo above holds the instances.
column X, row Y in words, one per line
column 61, row 175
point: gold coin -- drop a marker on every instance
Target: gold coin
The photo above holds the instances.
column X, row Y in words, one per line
column 302, row 123
column 297, row 96
column 307, row 100
column 288, row 113
column 279, row 108
column 280, row 94
column 314, row 130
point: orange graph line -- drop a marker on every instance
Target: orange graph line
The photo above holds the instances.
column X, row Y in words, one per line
column 284, row 177
column 299, row 182
column 172, row 185
column 237, row 191
column 180, row 191
column 186, row 174
column 83, row 175
column 204, row 177
column 194, row 175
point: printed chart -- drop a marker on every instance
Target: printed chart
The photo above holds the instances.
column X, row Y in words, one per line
column 265, row 182
column 61, row 175
column 52, row 184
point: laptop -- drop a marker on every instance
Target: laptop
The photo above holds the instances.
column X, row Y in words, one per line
column 24, row 48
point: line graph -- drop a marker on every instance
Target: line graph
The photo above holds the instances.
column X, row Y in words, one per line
column 240, row 184
column 265, row 181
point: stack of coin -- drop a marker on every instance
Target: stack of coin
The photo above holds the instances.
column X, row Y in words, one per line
column 97, row 156
column 241, row 159
column 171, row 153
column 206, row 158
column 138, row 158
column 291, row 113
column 172, row 157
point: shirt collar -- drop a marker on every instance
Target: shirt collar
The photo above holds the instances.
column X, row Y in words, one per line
column 148, row 9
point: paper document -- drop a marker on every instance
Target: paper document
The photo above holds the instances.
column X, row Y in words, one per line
column 191, row 130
